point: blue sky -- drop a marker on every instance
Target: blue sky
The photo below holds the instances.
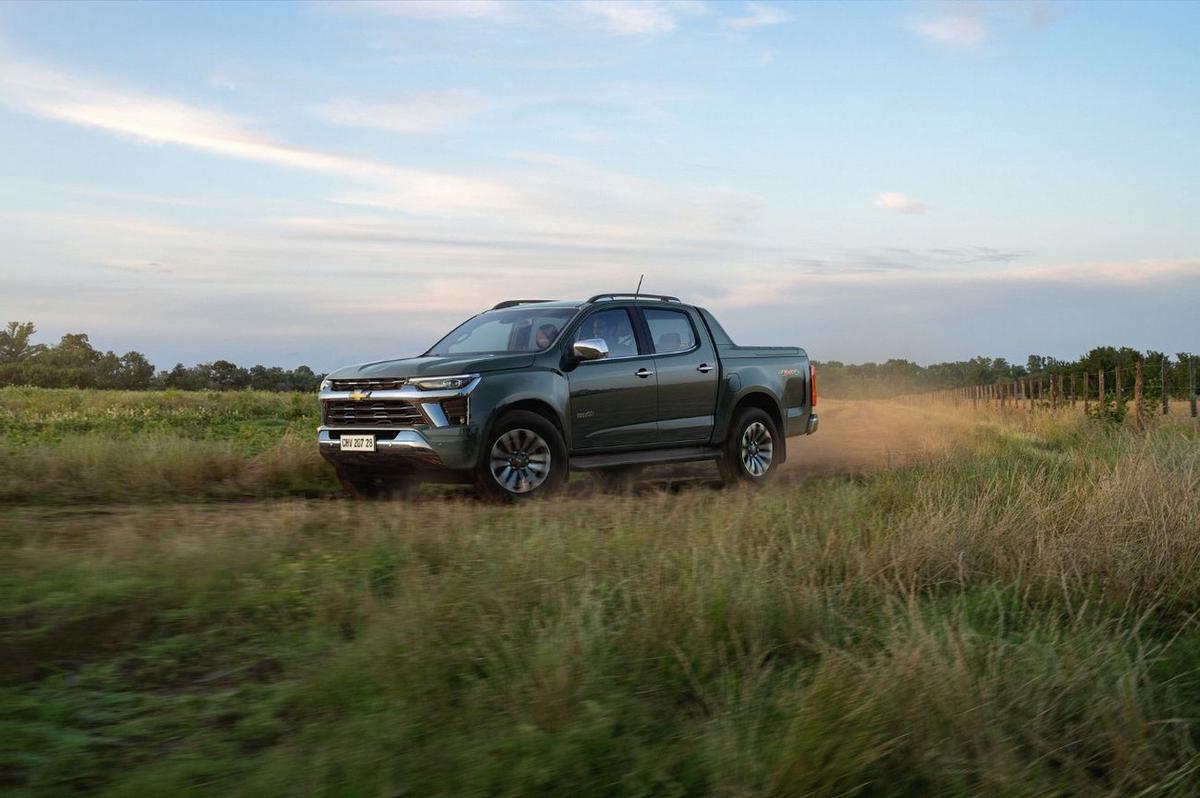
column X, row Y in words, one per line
column 326, row 183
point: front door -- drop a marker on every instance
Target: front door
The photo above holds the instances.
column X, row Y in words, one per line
column 687, row 371
column 614, row 400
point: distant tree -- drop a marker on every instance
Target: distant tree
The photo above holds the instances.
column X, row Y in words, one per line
column 108, row 369
column 268, row 379
column 226, row 376
column 130, row 372
column 182, row 378
column 15, row 345
column 305, row 379
column 73, row 351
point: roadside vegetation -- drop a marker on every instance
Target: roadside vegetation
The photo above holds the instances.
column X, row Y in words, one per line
column 74, row 363
column 899, row 377
column 66, row 446
column 1017, row 615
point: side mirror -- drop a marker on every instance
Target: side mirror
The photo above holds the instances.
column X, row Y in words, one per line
column 590, row 349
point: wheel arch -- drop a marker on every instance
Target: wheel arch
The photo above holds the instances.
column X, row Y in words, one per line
column 539, row 406
column 768, row 404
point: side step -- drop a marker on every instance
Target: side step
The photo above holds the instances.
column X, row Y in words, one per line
column 679, row 454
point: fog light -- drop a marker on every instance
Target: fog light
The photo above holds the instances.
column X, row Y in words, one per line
column 455, row 410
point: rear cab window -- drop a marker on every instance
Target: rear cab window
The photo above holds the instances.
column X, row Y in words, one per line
column 670, row 330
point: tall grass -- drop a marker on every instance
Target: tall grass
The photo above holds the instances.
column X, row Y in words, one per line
column 1016, row 618
column 67, row 445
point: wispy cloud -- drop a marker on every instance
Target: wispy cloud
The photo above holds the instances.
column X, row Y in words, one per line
column 877, row 260
column 963, row 31
column 156, row 120
column 900, row 203
column 437, row 10
column 750, row 291
column 613, row 17
column 759, row 15
column 627, row 17
column 418, row 113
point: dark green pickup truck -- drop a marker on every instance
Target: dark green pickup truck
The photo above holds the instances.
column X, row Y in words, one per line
column 515, row 397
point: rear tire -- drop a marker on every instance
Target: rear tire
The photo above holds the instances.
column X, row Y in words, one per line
column 374, row 485
column 753, row 449
column 522, row 457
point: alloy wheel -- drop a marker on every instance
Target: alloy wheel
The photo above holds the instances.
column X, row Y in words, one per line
column 756, row 449
column 520, row 460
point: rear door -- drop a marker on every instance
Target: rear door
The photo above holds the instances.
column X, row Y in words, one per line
column 687, row 370
column 614, row 400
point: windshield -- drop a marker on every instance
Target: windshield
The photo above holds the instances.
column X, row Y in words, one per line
column 524, row 329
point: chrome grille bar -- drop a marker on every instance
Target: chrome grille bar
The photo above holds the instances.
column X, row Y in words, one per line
column 382, row 384
column 372, row 414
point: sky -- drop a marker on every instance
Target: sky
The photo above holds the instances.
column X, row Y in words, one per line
column 329, row 183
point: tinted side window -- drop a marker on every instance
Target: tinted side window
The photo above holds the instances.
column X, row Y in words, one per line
column 670, row 331
column 614, row 327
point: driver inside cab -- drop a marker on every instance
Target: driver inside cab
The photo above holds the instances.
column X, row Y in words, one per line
column 614, row 328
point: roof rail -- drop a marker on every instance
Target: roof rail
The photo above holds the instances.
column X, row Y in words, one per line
column 659, row 297
column 512, row 303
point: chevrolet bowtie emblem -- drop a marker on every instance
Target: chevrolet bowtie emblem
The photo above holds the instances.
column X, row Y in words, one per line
column 358, row 396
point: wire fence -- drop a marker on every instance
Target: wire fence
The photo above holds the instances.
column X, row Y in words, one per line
column 1093, row 391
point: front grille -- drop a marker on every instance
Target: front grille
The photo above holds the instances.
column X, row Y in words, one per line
column 372, row 414
column 368, row 385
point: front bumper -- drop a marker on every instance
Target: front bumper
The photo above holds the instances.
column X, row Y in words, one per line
column 446, row 448
column 433, row 443
column 813, row 424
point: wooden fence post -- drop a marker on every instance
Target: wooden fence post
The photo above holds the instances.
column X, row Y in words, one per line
column 1103, row 401
column 1192, row 384
column 1137, row 395
column 1165, row 408
column 1086, row 392
column 1074, row 379
column 1117, row 390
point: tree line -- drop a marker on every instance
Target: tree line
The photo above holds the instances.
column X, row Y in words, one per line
column 899, row 377
column 74, row 363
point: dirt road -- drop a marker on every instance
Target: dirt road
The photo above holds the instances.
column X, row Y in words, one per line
column 858, row 437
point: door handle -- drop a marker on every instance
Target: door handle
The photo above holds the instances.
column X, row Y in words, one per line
column 643, row 373
column 704, row 368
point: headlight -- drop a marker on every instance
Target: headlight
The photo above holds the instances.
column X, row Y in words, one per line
column 326, row 385
column 443, row 383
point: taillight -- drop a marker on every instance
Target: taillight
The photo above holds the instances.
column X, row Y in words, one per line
column 812, row 385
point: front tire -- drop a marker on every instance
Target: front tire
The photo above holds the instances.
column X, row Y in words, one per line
column 753, row 449
column 522, row 457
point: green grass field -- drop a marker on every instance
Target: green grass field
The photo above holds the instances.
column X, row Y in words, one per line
column 1015, row 616
column 64, row 445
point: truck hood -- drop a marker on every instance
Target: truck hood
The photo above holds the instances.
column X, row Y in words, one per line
column 433, row 366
